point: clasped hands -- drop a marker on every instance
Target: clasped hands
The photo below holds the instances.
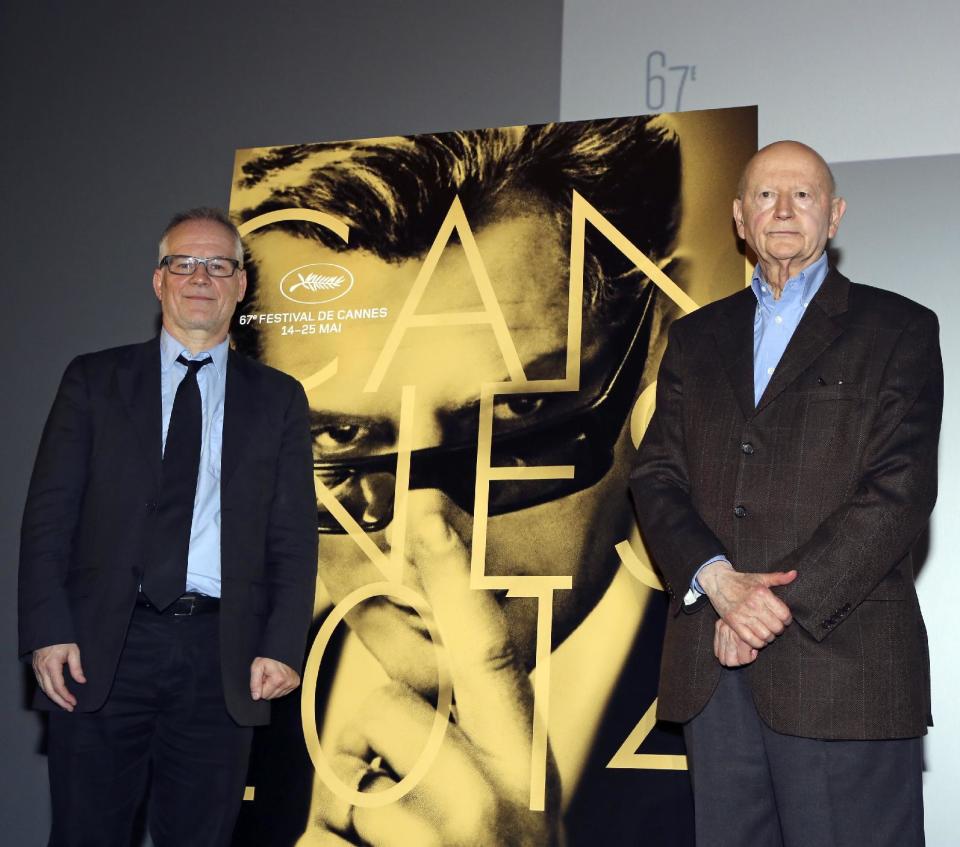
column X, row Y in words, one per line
column 751, row 615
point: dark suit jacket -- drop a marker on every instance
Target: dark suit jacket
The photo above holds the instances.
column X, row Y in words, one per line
column 832, row 473
column 91, row 507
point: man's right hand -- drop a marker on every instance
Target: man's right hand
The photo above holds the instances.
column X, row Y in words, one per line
column 48, row 665
column 745, row 602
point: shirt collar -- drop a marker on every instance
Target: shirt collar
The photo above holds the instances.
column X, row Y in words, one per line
column 808, row 282
column 170, row 348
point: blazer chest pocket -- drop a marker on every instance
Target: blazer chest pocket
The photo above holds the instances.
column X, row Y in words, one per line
column 834, row 415
column 834, row 392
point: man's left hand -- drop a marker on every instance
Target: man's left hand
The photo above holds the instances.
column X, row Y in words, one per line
column 270, row 679
column 729, row 648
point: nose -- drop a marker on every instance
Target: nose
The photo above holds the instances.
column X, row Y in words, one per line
column 784, row 206
column 424, row 422
column 200, row 275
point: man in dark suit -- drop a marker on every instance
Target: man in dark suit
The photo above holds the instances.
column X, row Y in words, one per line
column 788, row 470
column 168, row 560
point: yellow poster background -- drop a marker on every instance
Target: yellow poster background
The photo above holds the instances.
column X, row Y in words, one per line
column 477, row 318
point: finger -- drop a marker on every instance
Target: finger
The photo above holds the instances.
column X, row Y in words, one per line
column 277, row 681
column 767, row 607
column 729, row 643
column 282, row 689
column 720, row 635
column 494, row 698
column 257, row 676
column 720, row 647
column 736, row 651
column 761, row 623
column 326, row 839
column 332, row 811
column 322, row 838
column 724, row 657
column 745, row 653
column 774, row 625
column 291, row 681
column 73, row 660
column 778, row 577
column 274, row 680
column 55, row 687
column 397, row 825
column 743, row 629
column 394, row 723
column 394, row 826
column 271, row 685
column 776, row 612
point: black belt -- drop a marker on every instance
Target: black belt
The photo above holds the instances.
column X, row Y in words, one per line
column 187, row 604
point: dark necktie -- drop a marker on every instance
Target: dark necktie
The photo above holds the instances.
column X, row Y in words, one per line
column 165, row 576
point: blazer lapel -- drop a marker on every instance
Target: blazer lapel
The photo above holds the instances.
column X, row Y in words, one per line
column 138, row 379
column 734, row 336
column 240, row 412
column 816, row 331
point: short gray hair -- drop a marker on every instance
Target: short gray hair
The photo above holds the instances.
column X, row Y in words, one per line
column 201, row 213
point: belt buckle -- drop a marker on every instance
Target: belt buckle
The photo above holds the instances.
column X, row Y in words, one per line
column 191, row 604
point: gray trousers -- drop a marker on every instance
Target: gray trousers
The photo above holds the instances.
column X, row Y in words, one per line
column 754, row 787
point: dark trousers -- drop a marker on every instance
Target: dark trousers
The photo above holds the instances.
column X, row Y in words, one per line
column 165, row 721
column 753, row 786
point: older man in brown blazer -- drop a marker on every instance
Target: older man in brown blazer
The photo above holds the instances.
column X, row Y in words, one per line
column 787, row 472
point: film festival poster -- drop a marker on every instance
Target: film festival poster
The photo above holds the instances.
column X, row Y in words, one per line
column 477, row 318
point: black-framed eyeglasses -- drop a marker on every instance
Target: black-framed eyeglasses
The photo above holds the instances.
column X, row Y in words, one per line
column 187, row 265
column 584, row 437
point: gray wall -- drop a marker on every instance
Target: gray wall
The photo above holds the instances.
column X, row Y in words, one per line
column 117, row 114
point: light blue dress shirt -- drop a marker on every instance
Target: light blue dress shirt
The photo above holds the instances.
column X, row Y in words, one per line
column 774, row 323
column 203, row 560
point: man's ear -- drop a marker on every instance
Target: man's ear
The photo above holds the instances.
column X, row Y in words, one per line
column 241, row 285
column 738, row 216
column 837, row 207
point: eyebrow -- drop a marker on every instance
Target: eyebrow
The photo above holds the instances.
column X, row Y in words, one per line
column 546, row 366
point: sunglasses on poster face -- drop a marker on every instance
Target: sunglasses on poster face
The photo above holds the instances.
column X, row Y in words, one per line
column 584, row 437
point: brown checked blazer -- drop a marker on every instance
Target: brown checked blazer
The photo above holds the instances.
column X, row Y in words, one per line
column 833, row 473
column 91, row 507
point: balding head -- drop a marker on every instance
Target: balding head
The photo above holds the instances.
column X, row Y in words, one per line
column 788, row 146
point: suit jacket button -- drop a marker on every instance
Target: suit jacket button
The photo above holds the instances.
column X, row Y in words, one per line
column 747, row 448
column 740, row 512
column 150, row 505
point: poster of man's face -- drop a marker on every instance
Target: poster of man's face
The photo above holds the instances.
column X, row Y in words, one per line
column 491, row 301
